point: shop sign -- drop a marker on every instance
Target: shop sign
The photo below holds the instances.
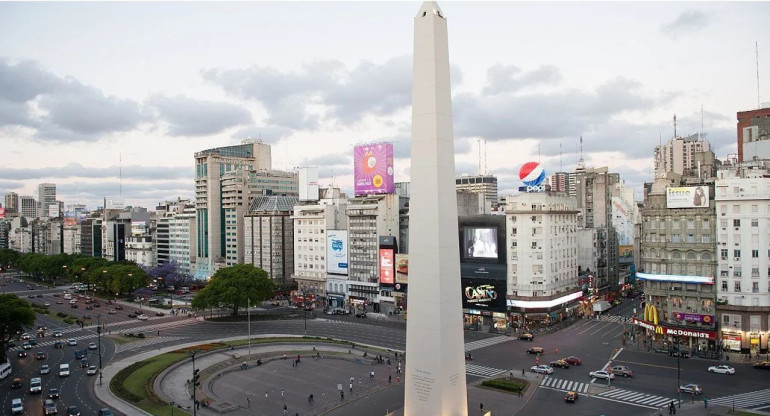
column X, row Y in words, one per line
column 484, row 294
column 692, row 317
column 690, row 333
column 643, row 324
column 731, row 337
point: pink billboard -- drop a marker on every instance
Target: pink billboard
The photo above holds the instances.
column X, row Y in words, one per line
column 373, row 169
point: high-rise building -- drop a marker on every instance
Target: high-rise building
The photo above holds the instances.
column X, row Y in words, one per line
column 46, row 196
column 743, row 287
column 754, row 134
column 181, row 239
column 269, row 237
column 563, row 182
column 210, row 166
column 11, row 202
column 678, row 155
column 28, row 206
column 485, row 185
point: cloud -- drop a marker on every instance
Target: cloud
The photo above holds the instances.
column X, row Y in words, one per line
column 76, row 170
column 189, row 117
column 25, row 80
column 334, row 159
column 689, row 21
column 268, row 134
column 509, row 78
column 10, row 185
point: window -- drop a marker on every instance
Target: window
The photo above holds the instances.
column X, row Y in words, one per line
column 736, row 209
column 737, row 253
column 736, row 223
column 705, row 256
column 690, row 238
column 737, row 286
column 726, row 319
column 675, row 224
column 723, row 223
column 723, row 253
column 690, row 256
column 755, row 272
column 676, row 255
column 755, row 254
column 691, row 224
column 755, row 223
column 755, row 209
column 755, row 287
column 676, row 238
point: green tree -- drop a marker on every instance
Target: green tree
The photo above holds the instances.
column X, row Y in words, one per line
column 8, row 258
column 232, row 287
column 33, row 264
column 15, row 316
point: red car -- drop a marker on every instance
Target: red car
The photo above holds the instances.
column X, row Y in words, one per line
column 572, row 360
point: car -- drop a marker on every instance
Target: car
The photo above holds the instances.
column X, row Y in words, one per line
column 56, row 295
column 559, row 363
column 91, row 370
column 74, row 306
column 361, row 315
column 49, row 407
column 572, row 360
column 602, row 374
column 16, row 383
column 72, row 342
column 25, row 336
column 46, row 304
column 105, row 412
column 17, row 406
column 58, row 345
column 35, row 385
column 341, row 311
column 31, row 296
column 542, row 369
column 132, row 315
column 40, row 355
column 622, row 370
column 84, row 363
column 690, row 388
column 73, row 411
column 45, row 369
column 53, row 393
column 87, row 316
column 64, row 370
column 32, row 342
column 535, row 350
column 58, row 334
column 526, row 336
column 118, row 307
column 39, row 295
column 571, row 397
column 80, row 354
column 97, row 305
column 762, row 365
column 112, row 311
column 721, row 369
column 27, row 346
column 92, row 346
column 142, row 317
column 60, row 302
column 22, row 354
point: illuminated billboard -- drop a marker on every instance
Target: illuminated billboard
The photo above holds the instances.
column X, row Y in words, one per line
column 402, row 272
column 480, row 242
column 373, row 169
column 625, row 254
column 486, row 294
column 2, row 213
column 687, row 197
column 337, row 252
column 387, row 268
column 70, row 218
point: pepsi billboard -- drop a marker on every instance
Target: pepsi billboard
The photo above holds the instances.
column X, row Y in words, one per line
column 532, row 175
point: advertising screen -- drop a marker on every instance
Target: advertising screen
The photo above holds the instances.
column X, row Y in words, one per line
column 625, row 254
column 480, row 242
column 337, row 252
column 70, row 218
column 687, row 197
column 373, row 169
column 387, row 268
column 486, row 294
column 2, row 213
column 402, row 272
column 53, row 211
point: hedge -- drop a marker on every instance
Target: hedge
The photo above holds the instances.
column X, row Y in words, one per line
column 504, row 385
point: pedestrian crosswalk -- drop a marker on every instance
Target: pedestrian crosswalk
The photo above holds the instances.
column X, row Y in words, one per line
column 486, row 342
column 564, row 385
column 615, row 318
column 144, row 342
column 477, row 370
column 755, row 400
column 635, row 398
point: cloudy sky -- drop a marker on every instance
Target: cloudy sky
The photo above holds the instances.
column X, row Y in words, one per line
column 88, row 87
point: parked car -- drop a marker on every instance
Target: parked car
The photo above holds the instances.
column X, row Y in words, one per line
column 142, row 317
column 622, row 370
column 118, row 307
column 602, row 374
column 542, row 369
column 559, row 363
column 535, row 350
column 361, row 315
column 690, row 388
column 721, row 369
column 571, row 397
column 132, row 315
column 572, row 360
column 762, row 365
column 527, row 336
column 112, row 312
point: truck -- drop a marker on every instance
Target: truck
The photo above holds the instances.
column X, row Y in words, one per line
column 601, row 306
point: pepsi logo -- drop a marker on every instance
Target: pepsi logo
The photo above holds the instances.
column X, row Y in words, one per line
column 532, row 174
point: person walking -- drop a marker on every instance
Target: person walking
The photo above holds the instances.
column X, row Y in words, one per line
column 671, row 408
column 282, row 393
column 248, row 402
column 285, row 409
column 342, row 395
column 351, row 387
column 706, row 402
column 481, row 407
column 265, row 394
column 390, row 378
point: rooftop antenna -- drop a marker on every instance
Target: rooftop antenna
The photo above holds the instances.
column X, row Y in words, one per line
column 581, row 162
column 675, row 126
column 561, row 162
column 756, row 51
column 485, row 156
column 120, row 174
column 478, row 143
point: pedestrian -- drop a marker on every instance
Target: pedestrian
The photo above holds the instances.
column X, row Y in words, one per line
column 310, row 398
column 342, row 395
column 522, row 372
column 481, row 407
column 671, row 408
column 265, row 394
column 351, row 387
column 282, row 392
column 285, row 409
column 159, row 332
column 706, row 401
column 248, row 402
column 390, row 378
column 298, row 359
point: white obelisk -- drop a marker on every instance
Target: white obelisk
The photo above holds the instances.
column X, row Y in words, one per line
column 435, row 361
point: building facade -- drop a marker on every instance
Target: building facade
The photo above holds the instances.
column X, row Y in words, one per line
column 678, row 155
column 11, row 202
column 754, row 134
column 269, row 237
column 46, row 196
column 485, row 185
column 28, row 206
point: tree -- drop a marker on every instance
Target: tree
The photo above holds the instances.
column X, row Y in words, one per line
column 232, row 287
column 169, row 274
column 8, row 258
column 15, row 315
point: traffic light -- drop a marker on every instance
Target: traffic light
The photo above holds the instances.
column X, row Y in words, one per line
column 196, row 377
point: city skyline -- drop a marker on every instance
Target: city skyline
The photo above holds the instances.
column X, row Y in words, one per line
column 153, row 91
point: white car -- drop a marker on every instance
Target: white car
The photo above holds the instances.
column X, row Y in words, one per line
column 91, row 370
column 92, row 346
column 542, row 369
column 47, row 304
column 58, row 334
column 690, row 388
column 25, row 336
column 72, row 342
column 45, row 369
column 142, row 317
column 721, row 369
column 602, row 374
column 17, row 407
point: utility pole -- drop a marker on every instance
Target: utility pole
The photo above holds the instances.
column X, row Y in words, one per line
column 195, row 384
column 679, row 370
column 248, row 318
column 99, row 342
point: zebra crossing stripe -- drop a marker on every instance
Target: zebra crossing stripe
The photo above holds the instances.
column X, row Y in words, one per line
column 482, row 371
column 632, row 397
column 474, row 345
column 564, row 385
column 756, row 398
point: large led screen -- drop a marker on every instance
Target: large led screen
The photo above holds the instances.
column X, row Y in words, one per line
column 337, row 252
column 373, row 169
column 387, row 268
column 480, row 242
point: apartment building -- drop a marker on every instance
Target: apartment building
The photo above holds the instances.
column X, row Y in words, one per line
column 269, row 237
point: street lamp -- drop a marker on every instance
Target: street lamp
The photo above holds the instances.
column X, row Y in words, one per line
column 679, row 370
column 248, row 318
column 99, row 341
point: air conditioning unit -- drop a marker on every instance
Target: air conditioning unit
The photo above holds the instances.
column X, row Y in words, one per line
column 737, row 259
column 723, row 214
column 724, row 258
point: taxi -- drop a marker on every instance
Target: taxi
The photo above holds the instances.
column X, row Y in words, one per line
column 571, row 397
